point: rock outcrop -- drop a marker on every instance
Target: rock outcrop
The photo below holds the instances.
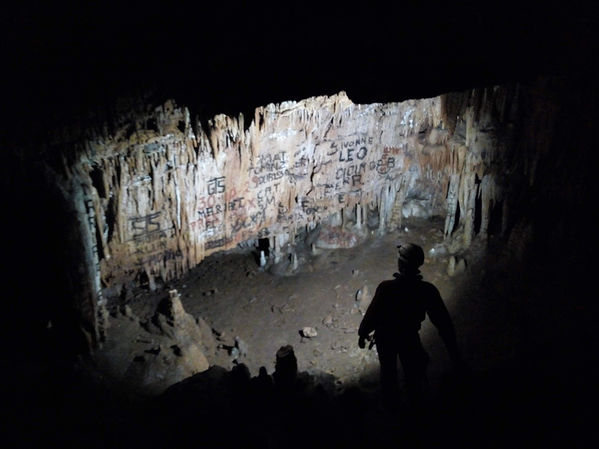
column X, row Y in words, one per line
column 168, row 348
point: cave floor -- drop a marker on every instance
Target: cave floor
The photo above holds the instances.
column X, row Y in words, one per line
column 238, row 299
column 532, row 378
column 268, row 311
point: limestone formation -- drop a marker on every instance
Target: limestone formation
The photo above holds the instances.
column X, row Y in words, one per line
column 455, row 266
column 285, row 367
column 173, row 349
column 159, row 192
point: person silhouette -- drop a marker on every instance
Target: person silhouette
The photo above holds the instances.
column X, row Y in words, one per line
column 395, row 315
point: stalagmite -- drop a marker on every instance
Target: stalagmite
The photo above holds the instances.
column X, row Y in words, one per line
column 358, row 216
column 452, row 204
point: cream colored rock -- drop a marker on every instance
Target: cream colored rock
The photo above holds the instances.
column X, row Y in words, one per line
column 154, row 203
column 309, row 332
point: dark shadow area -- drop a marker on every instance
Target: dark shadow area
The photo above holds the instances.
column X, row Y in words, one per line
column 542, row 396
column 42, row 316
column 69, row 65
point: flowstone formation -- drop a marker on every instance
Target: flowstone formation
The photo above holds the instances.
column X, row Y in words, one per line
column 157, row 193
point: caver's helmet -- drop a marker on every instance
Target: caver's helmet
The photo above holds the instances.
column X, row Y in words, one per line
column 410, row 254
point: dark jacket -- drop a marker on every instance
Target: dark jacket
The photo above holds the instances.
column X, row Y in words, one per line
column 398, row 309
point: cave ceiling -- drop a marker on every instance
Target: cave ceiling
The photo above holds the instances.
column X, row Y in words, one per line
column 65, row 61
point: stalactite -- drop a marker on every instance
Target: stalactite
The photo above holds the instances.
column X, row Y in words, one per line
column 176, row 193
column 452, row 204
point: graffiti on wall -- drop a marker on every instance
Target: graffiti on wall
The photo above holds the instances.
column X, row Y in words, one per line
column 263, row 186
column 150, row 239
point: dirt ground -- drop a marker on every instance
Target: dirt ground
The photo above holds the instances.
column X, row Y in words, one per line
column 521, row 330
column 328, row 292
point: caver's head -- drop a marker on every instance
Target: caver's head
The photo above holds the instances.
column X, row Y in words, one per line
column 410, row 257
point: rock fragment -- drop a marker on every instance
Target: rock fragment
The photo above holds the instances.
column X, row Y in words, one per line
column 363, row 298
column 309, row 332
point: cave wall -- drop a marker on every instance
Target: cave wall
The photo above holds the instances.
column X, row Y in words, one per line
column 157, row 193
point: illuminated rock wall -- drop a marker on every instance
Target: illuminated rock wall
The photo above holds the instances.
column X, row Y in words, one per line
column 161, row 193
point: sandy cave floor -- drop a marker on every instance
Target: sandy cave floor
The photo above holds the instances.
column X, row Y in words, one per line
column 238, row 299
